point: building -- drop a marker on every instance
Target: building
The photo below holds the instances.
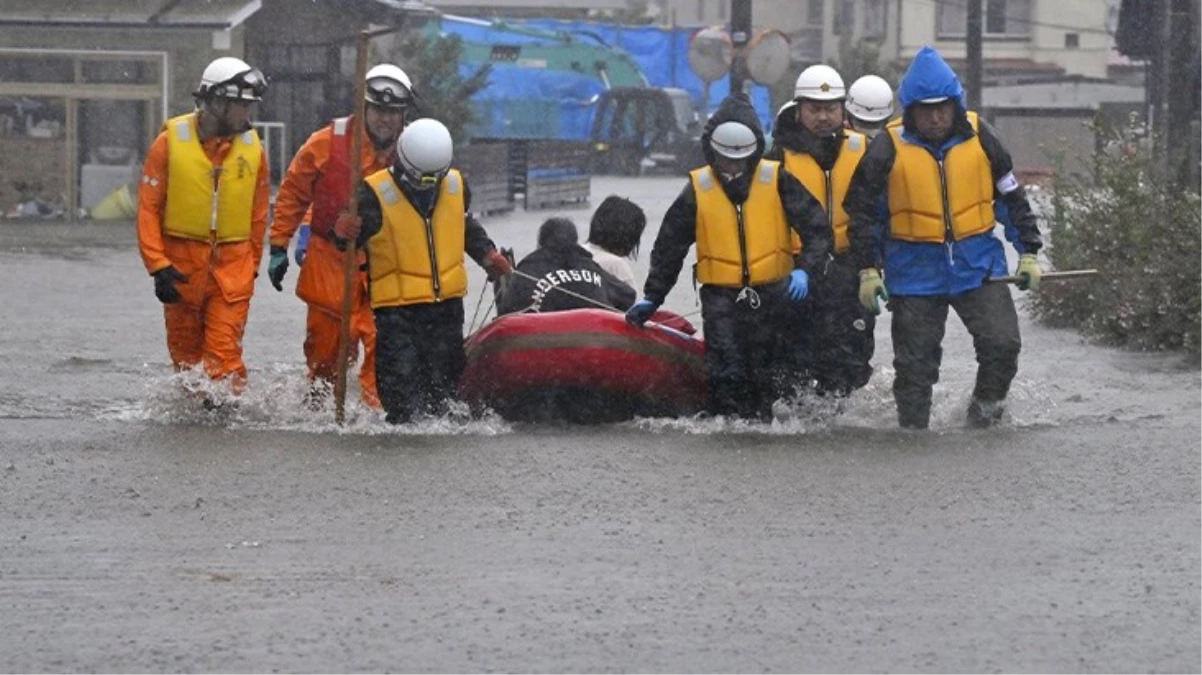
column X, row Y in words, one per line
column 86, row 84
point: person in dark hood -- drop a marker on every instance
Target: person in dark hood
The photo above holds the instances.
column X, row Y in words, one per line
column 930, row 189
column 834, row 345
column 560, row 275
column 416, row 226
column 739, row 209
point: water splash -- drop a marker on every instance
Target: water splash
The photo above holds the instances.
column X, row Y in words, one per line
column 278, row 399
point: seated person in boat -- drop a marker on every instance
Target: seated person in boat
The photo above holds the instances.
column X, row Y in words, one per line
column 560, row 274
column 614, row 234
column 739, row 209
column 417, row 230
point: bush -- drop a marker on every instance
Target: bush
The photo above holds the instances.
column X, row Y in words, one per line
column 1144, row 236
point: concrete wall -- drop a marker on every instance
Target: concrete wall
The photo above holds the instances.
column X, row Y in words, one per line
column 1035, row 138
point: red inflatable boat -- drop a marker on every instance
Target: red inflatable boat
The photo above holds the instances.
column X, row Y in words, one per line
column 585, row 366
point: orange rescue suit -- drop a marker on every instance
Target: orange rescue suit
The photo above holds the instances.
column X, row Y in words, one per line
column 202, row 208
column 741, row 249
column 318, row 183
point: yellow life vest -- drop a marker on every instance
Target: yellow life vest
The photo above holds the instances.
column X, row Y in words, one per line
column 929, row 203
column 829, row 193
column 194, row 209
column 736, row 252
column 414, row 260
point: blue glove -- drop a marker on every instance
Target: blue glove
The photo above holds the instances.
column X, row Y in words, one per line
column 640, row 312
column 799, row 285
column 277, row 266
column 302, row 244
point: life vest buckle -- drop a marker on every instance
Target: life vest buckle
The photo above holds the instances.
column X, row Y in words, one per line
column 750, row 295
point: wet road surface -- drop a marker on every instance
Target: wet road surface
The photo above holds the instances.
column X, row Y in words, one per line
column 138, row 534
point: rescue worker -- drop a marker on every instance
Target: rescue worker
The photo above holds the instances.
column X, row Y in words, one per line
column 833, row 334
column 931, row 185
column 415, row 225
column 738, row 209
column 317, row 184
column 560, row 275
column 614, row 234
column 869, row 105
column 202, row 217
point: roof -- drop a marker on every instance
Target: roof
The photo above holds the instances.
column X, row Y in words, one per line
column 208, row 15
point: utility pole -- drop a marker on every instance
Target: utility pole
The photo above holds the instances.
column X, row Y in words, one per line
column 1181, row 60
column 973, row 54
column 740, row 35
column 1191, row 174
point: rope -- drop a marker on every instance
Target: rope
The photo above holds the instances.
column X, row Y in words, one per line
column 480, row 301
column 574, row 294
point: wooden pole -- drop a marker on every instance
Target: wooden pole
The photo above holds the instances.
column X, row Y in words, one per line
column 1047, row 276
column 350, row 277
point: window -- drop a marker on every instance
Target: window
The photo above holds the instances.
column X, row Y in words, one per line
column 1000, row 18
column 814, row 12
column 875, row 19
column 845, row 17
column 1072, row 40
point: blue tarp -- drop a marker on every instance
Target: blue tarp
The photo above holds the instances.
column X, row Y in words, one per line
column 543, row 103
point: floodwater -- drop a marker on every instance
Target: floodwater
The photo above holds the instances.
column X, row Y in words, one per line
column 138, row 533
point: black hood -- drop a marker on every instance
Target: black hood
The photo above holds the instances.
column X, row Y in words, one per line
column 734, row 108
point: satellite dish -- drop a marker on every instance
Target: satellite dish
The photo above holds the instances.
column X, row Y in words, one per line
column 768, row 57
column 710, row 53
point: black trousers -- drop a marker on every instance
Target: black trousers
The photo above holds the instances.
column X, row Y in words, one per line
column 419, row 358
column 742, row 346
column 831, row 334
column 919, row 323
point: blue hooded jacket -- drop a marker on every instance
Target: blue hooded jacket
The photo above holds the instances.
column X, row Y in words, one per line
column 953, row 267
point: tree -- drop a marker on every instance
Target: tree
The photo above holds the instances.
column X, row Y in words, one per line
column 442, row 91
column 863, row 57
column 856, row 59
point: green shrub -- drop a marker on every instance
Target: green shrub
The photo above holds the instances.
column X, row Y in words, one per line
column 1144, row 236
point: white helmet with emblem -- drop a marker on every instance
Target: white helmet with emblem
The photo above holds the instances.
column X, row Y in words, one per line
column 819, row 83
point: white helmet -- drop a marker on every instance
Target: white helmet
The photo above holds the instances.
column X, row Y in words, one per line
column 734, row 140
column 388, row 86
column 819, row 83
column 228, row 77
column 424, row 151
column 870, row 99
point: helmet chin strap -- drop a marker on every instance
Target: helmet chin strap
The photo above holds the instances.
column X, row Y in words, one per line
column 422, row 183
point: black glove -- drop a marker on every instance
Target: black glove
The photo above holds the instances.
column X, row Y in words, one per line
column 277, row 265
column 164, row 285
